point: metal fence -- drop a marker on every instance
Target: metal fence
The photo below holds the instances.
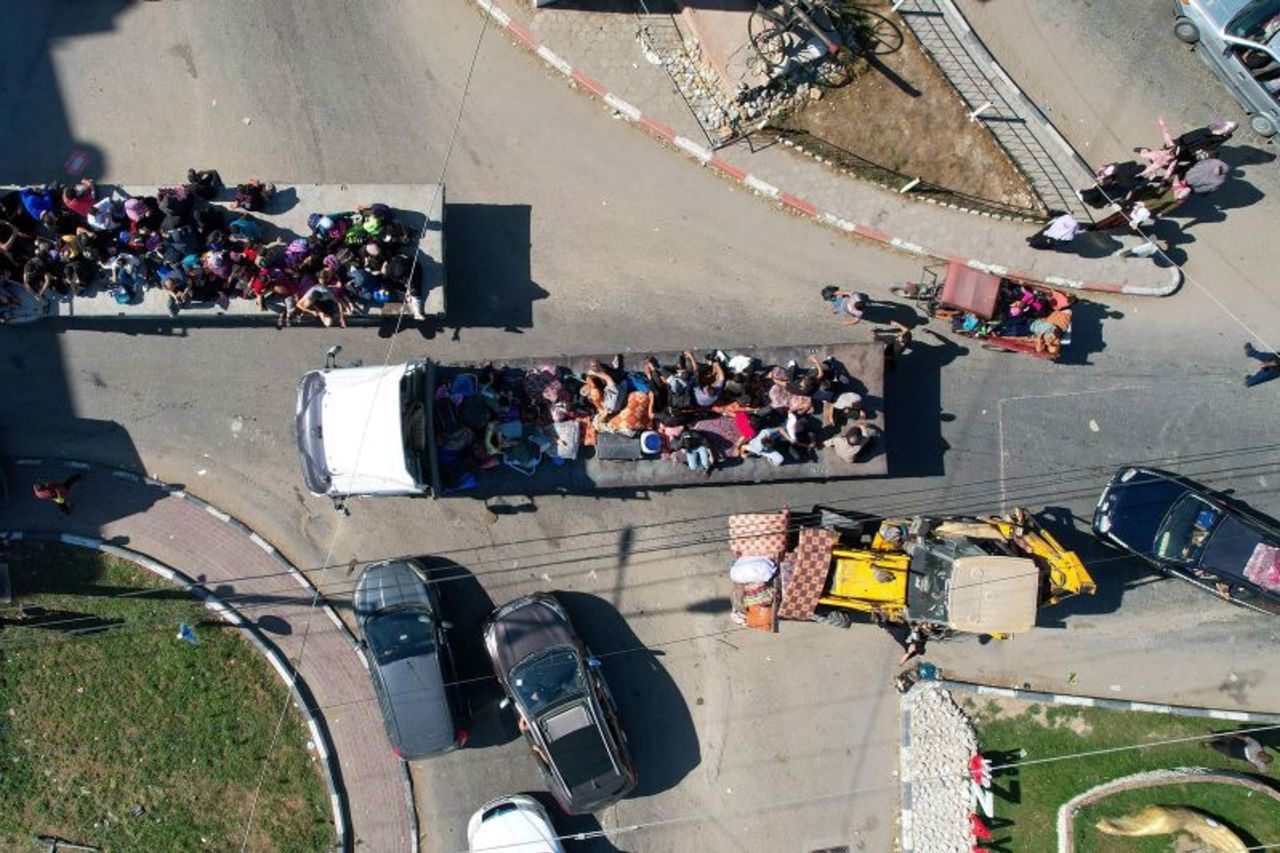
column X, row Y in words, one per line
column 867, row 170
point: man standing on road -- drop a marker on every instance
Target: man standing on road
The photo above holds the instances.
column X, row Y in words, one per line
column 48, row 490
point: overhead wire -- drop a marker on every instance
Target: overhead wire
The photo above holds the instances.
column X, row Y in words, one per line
column 853, row 793
column 266, row 600
column 960, row 499
column 395, row 334
column 696, row 539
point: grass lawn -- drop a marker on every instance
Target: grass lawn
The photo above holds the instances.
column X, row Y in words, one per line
column 1251, row 816
column 1028, row 797
column 94, row 726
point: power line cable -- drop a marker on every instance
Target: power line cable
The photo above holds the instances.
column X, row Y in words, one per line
column 444, row 168
column 853, row 793
column 971, row 503
column 698, row 540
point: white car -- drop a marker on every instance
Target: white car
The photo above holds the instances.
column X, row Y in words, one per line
column 514, row 824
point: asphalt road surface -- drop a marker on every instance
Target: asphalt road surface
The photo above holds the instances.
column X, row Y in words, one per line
column 571, row 232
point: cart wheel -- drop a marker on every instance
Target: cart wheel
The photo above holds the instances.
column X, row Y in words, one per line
column 877, row 34
column 770, row 37
column 835, row 618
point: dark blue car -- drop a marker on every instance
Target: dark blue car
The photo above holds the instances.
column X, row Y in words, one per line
column 1193, row 533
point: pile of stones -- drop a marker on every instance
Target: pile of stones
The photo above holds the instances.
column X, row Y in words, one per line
column 701, row 87
column 942, row 743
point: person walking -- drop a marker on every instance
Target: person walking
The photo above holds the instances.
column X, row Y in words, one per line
column 1270, row 366
column 913, row 645
column 1114, row 182
column 49, row 490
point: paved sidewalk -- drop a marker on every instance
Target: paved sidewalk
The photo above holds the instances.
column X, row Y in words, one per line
column 606, row 59
column 211, row 548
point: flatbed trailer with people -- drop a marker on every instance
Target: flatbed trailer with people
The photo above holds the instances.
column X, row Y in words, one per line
column 199, row 252
column 583, row 424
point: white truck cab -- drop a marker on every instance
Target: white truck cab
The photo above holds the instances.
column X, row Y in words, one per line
column 363, row 431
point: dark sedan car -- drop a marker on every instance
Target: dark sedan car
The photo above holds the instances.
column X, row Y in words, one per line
column 409, row 659
column 564, row 706
column 1193, row 533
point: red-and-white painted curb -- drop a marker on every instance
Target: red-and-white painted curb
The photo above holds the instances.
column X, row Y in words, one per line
column 706, row 157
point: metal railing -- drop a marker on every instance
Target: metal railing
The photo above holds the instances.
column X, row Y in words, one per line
column 864, row 169
column 912, row 185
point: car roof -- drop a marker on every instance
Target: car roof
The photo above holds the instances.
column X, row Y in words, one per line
column 993, row 595
column 1220, row 12
column 362, row 441
column 395, row 583
column 579, row 747
column 526, row 627
column 518, row 830
column 1232, row 544
column 419, row 717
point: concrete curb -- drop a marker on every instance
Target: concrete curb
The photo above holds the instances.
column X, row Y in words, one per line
column 302, row 579
column 706, row 157
column 1151, row 779
column 287, row 674
column 904, row 770
column 1111, row 704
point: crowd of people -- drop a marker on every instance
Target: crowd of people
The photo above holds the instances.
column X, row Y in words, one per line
column 1144, row 189
column 1043, row 317
column 57, row 242
column 696, row 412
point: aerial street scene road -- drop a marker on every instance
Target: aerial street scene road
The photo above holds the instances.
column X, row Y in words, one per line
column 659, row 426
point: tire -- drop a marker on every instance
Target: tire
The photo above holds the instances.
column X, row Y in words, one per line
column 1262, row 125
column 1186, row 31
column 769, row 37
column 834, row 618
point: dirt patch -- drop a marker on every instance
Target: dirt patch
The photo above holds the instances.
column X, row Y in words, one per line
column 903, row 115
column 1050, row 716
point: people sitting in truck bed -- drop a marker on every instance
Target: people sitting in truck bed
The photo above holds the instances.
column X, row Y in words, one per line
column 61, row 240
column 523, row 418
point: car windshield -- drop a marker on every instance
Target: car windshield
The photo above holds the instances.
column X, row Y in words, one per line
column 546, row 680
column 400, row 634
column 1257, row 22
column 1185, row 529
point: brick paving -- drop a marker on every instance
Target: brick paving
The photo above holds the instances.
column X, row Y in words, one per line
column 184, row 535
